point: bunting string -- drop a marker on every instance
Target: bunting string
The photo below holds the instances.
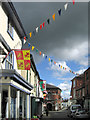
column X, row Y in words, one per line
column 42, row 26
column 47, row 22
column 32, row 47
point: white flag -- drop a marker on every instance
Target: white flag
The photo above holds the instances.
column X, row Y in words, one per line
column 37, row 29
column 65, row 6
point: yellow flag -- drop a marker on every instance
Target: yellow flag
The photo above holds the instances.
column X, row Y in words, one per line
column 30, row 34
column 53, row 16
column 49, row 59
column 32, row 47
column 61, row 66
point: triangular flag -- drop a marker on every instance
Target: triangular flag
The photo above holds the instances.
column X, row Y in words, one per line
column 30, row 34
column 53, row 16
column 59, row 12
column 28, row 44
column 37, row 30
column 40, row 52
column 54, row 62
column 65, row 6
column 32, row 47
column 43, row 55
column 41, row 26
column 65, row 68
column 61, row 66
column 49, row 59
column 36, row 50
column 48, row 20
column 73, row 2
column 24, row 40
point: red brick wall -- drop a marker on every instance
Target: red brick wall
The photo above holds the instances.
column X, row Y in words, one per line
column 87, row 82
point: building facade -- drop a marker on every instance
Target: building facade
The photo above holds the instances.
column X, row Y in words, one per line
column 14, row 89
column 53, row 98
column 80, row 90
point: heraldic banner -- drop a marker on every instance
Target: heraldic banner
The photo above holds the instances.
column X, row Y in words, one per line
column 23, row 59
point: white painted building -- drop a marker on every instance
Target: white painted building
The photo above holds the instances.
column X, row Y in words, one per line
column 14, row 89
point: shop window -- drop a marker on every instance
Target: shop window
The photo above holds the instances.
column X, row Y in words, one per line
column 4, row 103
column 10, row 29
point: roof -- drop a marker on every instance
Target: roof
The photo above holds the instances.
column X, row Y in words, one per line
column 78, row 77
column 48, row 86
column 9, row 9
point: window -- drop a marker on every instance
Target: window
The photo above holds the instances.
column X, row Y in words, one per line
column 73, row 83
column 74, row 93
column 10, row 29
column 87, row 89
column 9, row 61
column 86, row 75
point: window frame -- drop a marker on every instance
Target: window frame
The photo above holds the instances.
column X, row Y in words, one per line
column 8, row 30
column 8, row 63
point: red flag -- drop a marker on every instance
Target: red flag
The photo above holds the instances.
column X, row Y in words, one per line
column 73, row 2
column 41, row 26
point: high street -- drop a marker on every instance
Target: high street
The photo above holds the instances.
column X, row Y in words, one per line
column 57, row 115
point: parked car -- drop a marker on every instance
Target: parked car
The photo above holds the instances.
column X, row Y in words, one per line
column 80, row 113
column 73, row 109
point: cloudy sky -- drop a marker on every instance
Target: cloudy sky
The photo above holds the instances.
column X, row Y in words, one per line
column 64, row 40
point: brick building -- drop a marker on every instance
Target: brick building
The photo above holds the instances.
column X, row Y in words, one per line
column 80, row 90
column 87, row 88
column 53, row 98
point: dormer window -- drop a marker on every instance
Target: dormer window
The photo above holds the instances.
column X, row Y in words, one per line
column 10, row 29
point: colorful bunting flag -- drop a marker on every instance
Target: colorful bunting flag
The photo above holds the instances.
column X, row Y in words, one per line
column 49, row 59
column 37, row 30
column 43, row 55
column 36, row 50
column 40, row 52
column 61, row 66
column 53, row 16
column 48, row 21
column 59, row 12
column 28, row 44
column 54, row 62
column 24, row 40
column 65, row 6
column 41, row 26
column 23, row 59
column 32, row 47
column 30, row 34
column 73, row 2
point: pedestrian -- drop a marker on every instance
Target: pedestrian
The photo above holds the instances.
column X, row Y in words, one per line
column 46, row 112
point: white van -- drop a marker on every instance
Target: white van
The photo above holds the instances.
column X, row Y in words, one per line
column 73, row 109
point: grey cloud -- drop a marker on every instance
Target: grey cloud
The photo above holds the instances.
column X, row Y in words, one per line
column 65, row 33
